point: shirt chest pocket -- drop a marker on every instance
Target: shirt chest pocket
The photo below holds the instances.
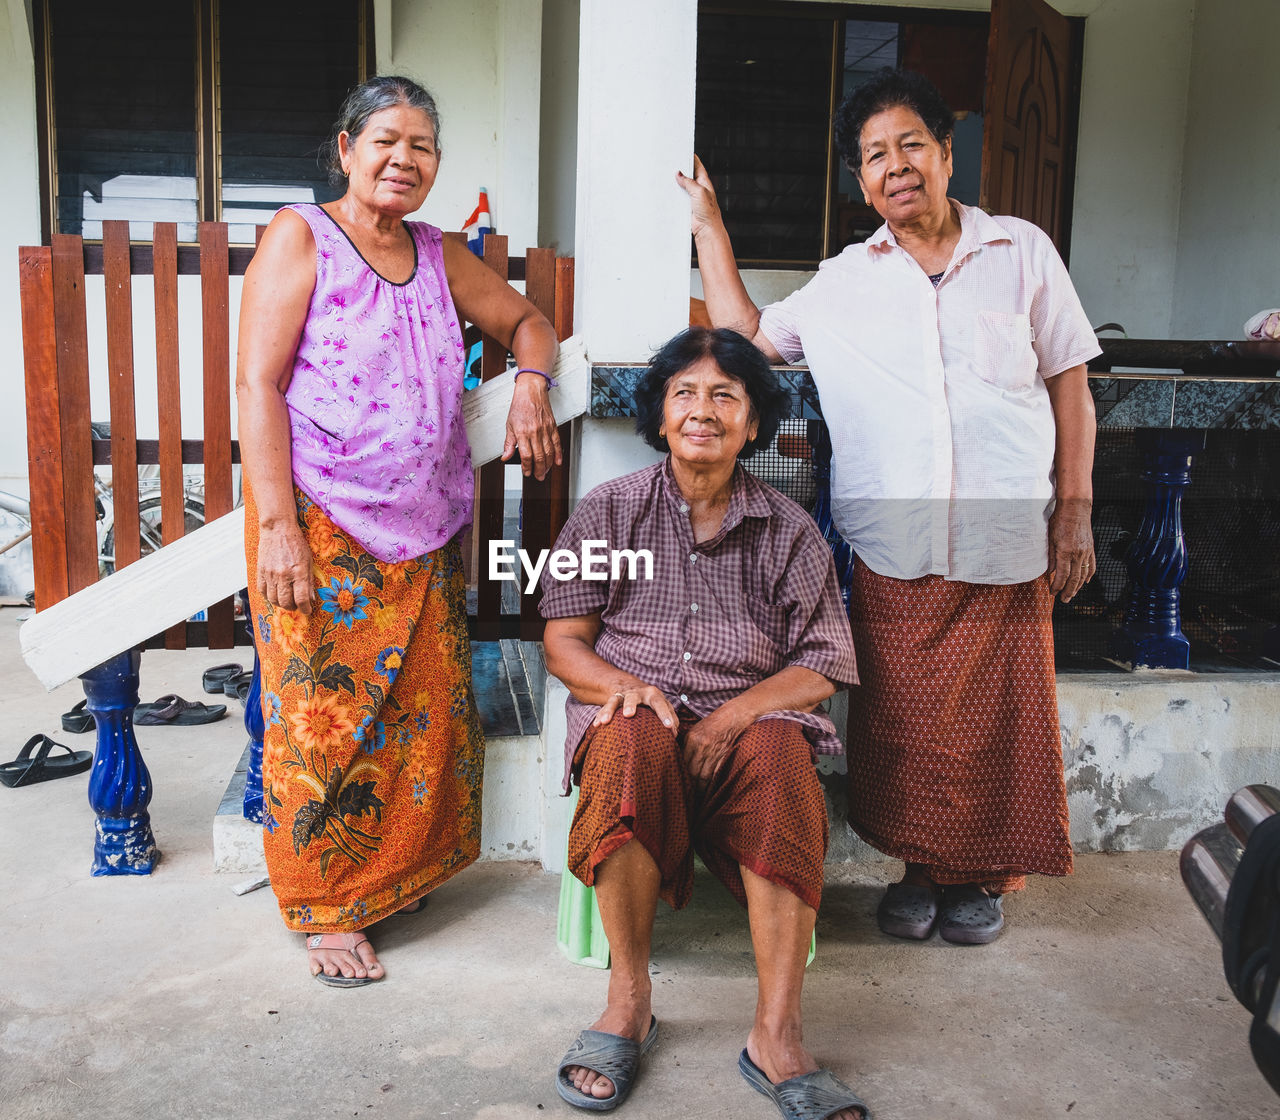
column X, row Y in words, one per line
column 765, row 639
column 1005, row 355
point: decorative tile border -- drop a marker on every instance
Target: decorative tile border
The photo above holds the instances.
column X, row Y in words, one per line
column 613, row 391
column 1168, row 400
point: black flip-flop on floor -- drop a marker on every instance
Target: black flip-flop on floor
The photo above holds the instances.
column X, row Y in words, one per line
column 216, row 677
column 416, row 907
column 27, row 769
column 173, row 709
column 238, row 686
column 77, row 721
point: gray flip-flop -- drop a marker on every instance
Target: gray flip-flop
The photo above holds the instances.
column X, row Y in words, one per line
column 970, row 916
column 907, row 910
column 173, row 709
column 611, row 1055
column 811, row 1096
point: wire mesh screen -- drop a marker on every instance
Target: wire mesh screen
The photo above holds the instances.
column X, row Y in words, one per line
column 1231, row 524
column 787, row 463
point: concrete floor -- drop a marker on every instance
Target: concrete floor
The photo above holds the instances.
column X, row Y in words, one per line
column 170, row 996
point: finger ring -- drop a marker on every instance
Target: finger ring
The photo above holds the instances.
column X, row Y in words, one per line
column 623, row 695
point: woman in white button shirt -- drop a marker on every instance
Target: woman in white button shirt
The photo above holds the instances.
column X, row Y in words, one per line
column 949, row 354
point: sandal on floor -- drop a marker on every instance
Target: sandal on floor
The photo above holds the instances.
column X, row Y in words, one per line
column 173, row 709
column 610, row 1055
column 217, row 676
column 970, row 916
column 811, row 1096
column 238, row 686
column 26, row 770
column 414, row 907
column 347, row 943
column 907, row 910
column 77, row 721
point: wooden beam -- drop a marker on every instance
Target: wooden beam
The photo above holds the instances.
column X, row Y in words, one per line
column 44, row 428
column 126, row 536
column 125, row 609
column 218, row 495
column 71, row 335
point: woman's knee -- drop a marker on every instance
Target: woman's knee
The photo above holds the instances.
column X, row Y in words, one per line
column 629, row 740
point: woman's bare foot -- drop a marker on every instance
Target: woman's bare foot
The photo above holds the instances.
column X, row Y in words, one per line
column 349, row 955
column 629, row 1018
column 781, row 1054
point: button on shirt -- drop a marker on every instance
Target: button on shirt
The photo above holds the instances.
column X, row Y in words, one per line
column 718, row 616
column 942, row 432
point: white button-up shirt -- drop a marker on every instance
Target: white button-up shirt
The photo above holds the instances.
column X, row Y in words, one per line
column 941, row 428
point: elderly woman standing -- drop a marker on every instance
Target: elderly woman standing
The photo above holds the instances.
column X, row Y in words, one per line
column 349, row 383
column 692, row 716
column 949, row 353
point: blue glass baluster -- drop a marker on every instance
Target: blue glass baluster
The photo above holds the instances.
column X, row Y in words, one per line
column 255, row 726
column 1151, row 635
column 120, row 785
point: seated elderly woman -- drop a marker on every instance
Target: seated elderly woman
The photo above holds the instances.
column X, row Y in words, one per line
column 692, row 720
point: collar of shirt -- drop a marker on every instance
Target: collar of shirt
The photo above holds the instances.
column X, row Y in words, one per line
column 977, row 228
column 745, row 500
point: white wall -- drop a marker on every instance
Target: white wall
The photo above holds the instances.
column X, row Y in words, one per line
column 482, row 62
column 558, row 164
column 1229, row 244
column 1137, row 57
column 19, row 224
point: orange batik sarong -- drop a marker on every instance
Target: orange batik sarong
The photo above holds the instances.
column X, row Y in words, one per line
column 372, row 753
column 955, row 758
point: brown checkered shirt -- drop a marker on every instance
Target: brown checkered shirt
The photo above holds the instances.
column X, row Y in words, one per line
column 717, row 617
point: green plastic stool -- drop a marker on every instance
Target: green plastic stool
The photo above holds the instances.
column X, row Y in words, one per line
column 579, row 932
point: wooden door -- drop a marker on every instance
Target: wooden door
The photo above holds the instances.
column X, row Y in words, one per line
column 1032, row 106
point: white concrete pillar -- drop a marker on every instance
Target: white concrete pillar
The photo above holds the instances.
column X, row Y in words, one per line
column 636, row 70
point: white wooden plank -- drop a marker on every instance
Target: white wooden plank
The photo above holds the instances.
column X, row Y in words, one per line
column 208, row 564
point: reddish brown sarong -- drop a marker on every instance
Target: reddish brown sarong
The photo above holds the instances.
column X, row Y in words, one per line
column 764, row 809
column 955, row 759
column 373, row 752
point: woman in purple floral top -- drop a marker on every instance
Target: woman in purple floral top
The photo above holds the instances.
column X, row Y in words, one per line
column 349, row 384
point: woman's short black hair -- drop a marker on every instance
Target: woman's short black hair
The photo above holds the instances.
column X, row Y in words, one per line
column 889, row 89
column 737, row 357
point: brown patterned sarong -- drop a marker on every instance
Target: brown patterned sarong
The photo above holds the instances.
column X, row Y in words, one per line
column 955, row 759
column 373, row 752
column 764, row 809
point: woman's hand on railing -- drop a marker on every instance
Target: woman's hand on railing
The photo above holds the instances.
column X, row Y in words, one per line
column 531, row 427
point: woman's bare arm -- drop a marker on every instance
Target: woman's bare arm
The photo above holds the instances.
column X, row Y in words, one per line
column 273, row 308
column 483, row 298
column 1071, row 559
column 794, row 689
column 728, row 304
column 571, row 655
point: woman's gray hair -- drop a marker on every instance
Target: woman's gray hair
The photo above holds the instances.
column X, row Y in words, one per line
column 383, row 92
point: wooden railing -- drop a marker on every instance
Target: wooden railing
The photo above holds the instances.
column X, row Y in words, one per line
column 63, row 452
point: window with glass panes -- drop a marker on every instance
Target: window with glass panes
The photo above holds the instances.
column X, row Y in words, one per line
column 210, row 110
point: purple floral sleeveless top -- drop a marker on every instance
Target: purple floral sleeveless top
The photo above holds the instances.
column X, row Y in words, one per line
column 375, row 403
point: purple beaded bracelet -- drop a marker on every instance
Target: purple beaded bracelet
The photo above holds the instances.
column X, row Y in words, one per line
column 551, row 381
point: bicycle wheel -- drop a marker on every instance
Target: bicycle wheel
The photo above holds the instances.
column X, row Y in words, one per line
column 149, row 529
